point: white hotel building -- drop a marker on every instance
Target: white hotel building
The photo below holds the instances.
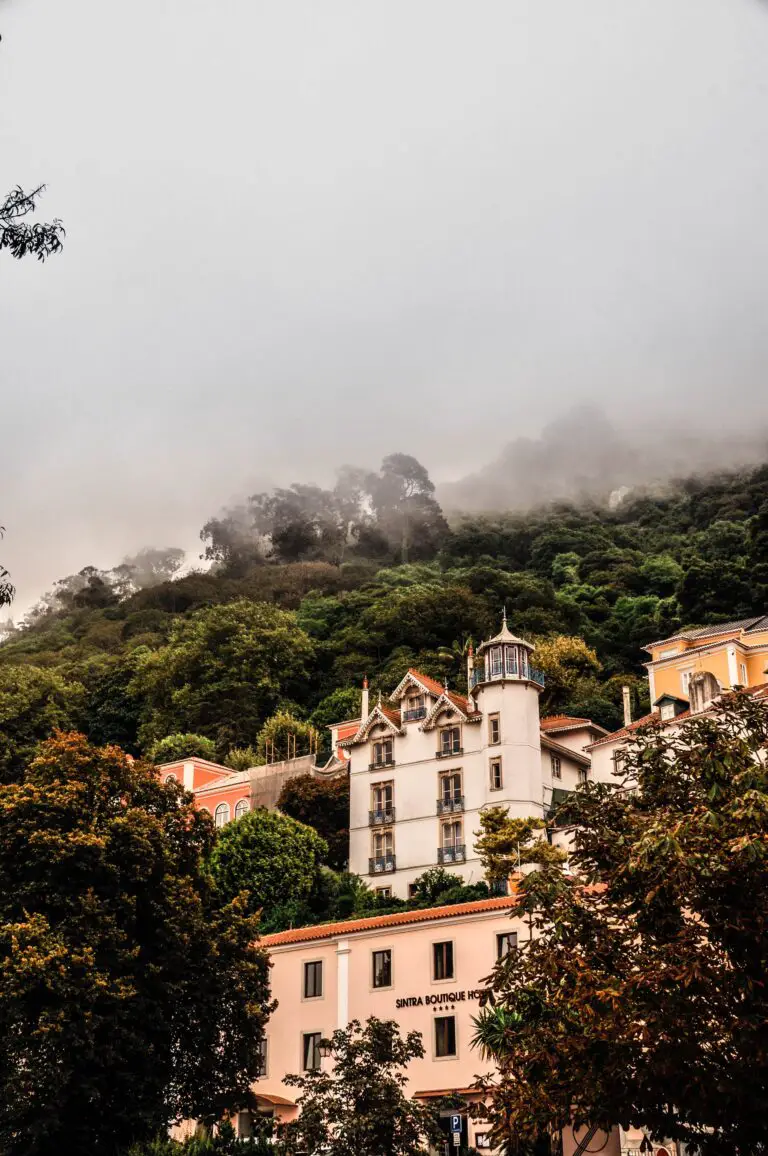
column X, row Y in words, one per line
column 423, row 767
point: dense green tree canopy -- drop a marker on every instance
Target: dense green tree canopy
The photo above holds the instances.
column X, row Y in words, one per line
column 271, row 857
column 182, row 746
column 33, row 703
column 322, row 804
column 224, row 670
column 640, row 997
column 130, row 997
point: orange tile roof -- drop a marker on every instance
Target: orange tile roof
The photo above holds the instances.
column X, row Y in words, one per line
column 392, row 715
column 374, row 922
column 432, row 685
column 564, row 722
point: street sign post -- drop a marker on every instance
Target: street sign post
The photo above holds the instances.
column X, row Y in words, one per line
column 456, row 1130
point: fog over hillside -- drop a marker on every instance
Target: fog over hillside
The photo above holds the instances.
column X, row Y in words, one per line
column 584, row 455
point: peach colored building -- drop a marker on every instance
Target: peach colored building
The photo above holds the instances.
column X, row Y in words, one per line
column 421, row 968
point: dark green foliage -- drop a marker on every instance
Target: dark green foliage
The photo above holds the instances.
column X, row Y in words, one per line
column 271, row 857
column 182, row 746
column 641, row 999
column 33, row 703
column 322, row 804
column 130, row 996
column 359, row 1105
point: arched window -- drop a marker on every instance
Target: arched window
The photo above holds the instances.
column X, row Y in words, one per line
column 242, row 807
column 170, row 778
column 221, row 814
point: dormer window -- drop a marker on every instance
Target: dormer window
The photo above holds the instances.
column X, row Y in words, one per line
column 414, row 707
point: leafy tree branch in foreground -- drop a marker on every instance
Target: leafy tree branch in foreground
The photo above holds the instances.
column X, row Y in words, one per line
column 19, row 236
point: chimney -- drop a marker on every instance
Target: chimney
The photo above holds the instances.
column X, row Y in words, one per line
column 627, row 705
column 365, row 708
column 470, row 667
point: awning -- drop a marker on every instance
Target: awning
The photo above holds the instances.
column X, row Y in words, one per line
column 276, row 1101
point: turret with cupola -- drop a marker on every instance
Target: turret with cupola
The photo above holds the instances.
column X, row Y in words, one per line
column 504, row 687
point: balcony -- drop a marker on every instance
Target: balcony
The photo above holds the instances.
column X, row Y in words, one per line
column 381, row 865
column 449, row 806
column 412, row 715
column 457, row 854
column 382, row 817
column 380, row 766
column 455, row 753
column 524, row 674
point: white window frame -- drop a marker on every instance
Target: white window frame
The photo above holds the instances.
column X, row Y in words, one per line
column 495, row 762
column 242, row 807
column 222, row 810
column 556, row 766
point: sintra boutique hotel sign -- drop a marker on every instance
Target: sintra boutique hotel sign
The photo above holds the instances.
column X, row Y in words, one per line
column 444, row 997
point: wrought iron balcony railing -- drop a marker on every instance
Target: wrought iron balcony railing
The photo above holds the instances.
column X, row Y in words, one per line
column 456, row 854
column 381, row 817
column 523, row 674
column 381, row 764
column 448, row 806
column 412, row 715
column 453, row 753
column 381, row 865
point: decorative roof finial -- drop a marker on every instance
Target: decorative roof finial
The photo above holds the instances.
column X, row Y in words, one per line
column 504, row 616
column 379, row 698
column 365, row 682
column 445, row 682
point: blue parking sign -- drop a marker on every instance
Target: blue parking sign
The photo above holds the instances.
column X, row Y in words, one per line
column 455, row 1123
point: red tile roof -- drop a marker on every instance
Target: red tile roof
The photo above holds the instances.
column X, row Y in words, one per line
column 431, row 684
column 567, row 722
column 398, row 919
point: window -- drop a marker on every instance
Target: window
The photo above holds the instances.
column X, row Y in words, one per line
column 667, row 710
column 310, row 1051
column 242, row 807
column 445, row 1036
column 261, row 1067
column 170, row 778
column 450, row 741
column 221, row 814
column 382, row 968
column 383, row 753
column 382, row 795
column 505, row 942
column 669, row 652
column 685, row 678
column 451, row 835
column 384, row 892
column 556, row 765
column 383, row 844
column 450, row 788
column 743, row 673
column 618, row 759
column 582, row 774
column 496, row 779
column 313, row 980
column 413, row 890
column 442, row 960
column 494, row 729
column 497, row 662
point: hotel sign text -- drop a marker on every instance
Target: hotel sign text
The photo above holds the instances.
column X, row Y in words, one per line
column 449, row 997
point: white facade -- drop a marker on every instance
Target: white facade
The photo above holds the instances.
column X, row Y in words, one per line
column 423, row 767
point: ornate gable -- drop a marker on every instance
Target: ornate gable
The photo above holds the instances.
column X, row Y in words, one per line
column 379, row 716
column 456, row 704
column 413, row 680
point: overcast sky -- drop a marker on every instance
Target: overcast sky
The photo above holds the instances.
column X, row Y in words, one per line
column 303, row 232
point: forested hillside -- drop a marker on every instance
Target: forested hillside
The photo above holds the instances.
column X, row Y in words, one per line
column 308, row 590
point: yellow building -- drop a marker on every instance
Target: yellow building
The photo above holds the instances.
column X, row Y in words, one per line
column 734, row 653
